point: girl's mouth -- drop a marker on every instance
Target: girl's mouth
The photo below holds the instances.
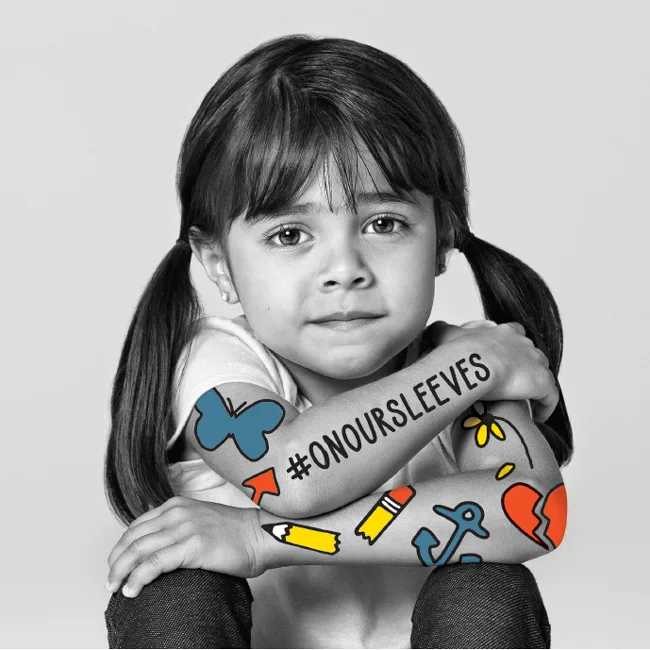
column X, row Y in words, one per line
column 345, row 325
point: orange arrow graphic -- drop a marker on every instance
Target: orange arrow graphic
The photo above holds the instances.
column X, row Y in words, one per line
column 262, row 483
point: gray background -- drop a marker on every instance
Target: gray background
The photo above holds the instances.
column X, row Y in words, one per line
column 552, row 101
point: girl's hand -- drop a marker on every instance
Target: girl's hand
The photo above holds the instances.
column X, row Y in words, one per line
column 186, row 533
column 522, row 369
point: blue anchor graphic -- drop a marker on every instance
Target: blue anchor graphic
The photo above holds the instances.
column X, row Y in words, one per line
column 468, row 517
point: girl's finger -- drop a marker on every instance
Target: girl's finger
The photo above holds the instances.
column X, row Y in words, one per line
column 478, row 323
column 132, row 533
column 544, row 407
column 543, row 358
column 437, row 327
column 163, row 560
column 150, row 514
column 159, row 510
column 135, row 553
column 439, row 332
column 517, row 326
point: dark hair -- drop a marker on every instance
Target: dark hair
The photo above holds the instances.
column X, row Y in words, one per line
column 266, row 126
column 511, row 291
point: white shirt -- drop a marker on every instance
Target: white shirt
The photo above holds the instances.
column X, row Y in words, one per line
column 364, row 606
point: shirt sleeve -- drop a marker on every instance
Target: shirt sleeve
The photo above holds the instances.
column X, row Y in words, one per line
column 217, row 357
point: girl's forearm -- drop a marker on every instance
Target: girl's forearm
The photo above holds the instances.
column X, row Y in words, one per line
column 354, row 442
column 463, row 517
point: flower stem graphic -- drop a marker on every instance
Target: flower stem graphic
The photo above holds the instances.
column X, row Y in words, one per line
column 530, row 460
column 485, row 424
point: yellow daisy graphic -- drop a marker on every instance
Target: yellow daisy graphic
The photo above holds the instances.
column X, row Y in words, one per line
column 485, row 425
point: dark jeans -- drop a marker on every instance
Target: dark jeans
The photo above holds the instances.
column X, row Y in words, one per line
column 481, row 605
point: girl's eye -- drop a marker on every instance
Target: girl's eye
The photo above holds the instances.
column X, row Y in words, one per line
column 382, row 221
column 380, row 225
column 282, row 233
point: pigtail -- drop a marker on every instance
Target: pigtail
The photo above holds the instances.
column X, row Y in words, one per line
column 136, row 473
column 511, row 291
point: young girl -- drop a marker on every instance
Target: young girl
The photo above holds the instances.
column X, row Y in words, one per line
column 327, row 433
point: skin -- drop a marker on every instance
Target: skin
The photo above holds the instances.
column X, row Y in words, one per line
column 341, row 261
column 197, row 534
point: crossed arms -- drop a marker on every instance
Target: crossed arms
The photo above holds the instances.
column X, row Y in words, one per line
column 316, row 484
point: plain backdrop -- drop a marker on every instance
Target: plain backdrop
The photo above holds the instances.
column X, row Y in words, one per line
column 552, row 100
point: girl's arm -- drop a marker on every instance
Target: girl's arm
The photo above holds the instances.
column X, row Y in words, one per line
column 301, row 464
column 510, row 506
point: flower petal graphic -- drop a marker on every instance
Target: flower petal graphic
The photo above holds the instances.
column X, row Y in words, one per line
column 504, row 470
column 497, row 431
column 471, row 422
column 482, row 436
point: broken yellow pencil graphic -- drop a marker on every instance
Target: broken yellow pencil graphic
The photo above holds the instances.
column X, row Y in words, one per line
column 383, row 513
column 314, row 539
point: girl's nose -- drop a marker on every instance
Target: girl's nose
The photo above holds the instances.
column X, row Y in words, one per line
column 345, row 267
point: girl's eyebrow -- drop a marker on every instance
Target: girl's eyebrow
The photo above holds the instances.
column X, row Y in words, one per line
column 362, row 198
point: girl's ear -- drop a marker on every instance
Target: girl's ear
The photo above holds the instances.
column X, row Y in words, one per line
column 444, row 244
column 214, row 260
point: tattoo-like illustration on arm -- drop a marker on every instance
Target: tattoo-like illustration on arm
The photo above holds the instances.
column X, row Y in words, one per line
column 262, row 483
column 486, row 424
column 314, row 539
column 246, row 425
column 468, row 518
column 519, row 502
column 383, row 513
column 374, row 424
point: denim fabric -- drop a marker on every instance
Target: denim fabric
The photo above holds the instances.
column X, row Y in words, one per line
column 186, row 608
column 479, row 605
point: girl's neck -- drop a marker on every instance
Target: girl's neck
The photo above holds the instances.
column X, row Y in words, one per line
column 317, row 388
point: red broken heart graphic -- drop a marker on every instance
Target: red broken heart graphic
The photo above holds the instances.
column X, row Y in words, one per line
column 519, row 502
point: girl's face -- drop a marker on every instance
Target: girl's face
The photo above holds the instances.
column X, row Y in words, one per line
column 303, row 265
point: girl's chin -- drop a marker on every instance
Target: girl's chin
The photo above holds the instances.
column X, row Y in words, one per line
column 348, row 367
column 342, row 360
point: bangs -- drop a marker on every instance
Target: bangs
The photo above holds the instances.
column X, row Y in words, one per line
column 287, row 138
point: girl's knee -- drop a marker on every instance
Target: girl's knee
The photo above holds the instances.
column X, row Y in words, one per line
column 500, row 586
column 481, row 603
column 482, row 578
column 195, row 588
column 184, row 606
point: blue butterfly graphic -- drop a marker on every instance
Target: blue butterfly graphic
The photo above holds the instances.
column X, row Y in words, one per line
column 247, row 426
